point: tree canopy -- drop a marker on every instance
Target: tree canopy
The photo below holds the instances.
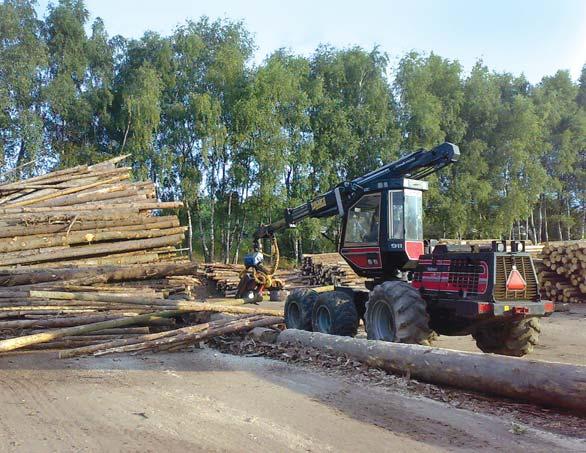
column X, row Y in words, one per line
column 239, row 141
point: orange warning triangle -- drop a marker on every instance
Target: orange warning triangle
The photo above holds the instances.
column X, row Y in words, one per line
column 516, row 282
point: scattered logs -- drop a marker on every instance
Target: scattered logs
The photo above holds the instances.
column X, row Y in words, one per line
column 83, row 307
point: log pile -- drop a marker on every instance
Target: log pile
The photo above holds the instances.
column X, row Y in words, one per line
column 177, row 339
column 562, row 272
column 85, row 215
column 94, row 306
column 84, row 261
column 224, row 278
column 34, row 300
column 328, row 269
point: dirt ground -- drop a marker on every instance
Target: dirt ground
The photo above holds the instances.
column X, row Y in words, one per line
column 205, row 400
column 209, row 401
column 562, row 339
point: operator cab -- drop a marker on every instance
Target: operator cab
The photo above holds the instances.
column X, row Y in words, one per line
column 383, row 229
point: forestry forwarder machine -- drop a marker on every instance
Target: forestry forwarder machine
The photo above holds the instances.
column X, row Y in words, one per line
column 415, row 289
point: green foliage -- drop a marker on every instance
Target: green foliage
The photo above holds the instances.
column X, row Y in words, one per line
column 240, row 142
column 23, row 56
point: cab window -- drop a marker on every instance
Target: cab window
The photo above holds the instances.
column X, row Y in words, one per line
column 414, row 215
column 396, row 217
column 364, row 221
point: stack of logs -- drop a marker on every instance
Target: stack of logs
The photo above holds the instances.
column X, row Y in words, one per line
column 562, row 272
column 86, row 215
column 98, row 310
column 86, row 263
column 224, row 278
column 328, row 269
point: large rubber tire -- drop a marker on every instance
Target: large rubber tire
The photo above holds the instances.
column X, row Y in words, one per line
column 298, row 309
column 396, row 312
column 334, row 313
column 513, row 338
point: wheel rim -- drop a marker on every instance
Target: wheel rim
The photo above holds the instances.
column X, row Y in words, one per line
column 324, row 320
column 294, row 316
column 383, row 322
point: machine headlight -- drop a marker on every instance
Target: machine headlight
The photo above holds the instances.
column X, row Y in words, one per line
column 499, row 246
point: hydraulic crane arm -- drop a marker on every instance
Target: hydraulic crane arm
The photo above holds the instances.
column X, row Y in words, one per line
column 417, row 165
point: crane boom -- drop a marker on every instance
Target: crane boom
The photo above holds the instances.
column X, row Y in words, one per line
column 414, row 166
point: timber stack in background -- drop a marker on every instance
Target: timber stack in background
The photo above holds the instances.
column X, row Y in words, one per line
column 328, row 269
column 86, row 215
column 562, row 272
column 224, row 278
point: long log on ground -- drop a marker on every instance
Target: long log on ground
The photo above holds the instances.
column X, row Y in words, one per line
column 20, row 342
column 545, row 383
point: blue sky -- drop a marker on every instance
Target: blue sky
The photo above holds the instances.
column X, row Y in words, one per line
column 535, row 37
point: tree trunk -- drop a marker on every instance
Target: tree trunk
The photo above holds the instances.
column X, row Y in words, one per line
column 189, row 230
column 535, row 239
column 212, row 228
column 228, row 232
column 538, row 382
column 540, row 218
column 583, row 219
column 546, row 226
column 242, row 225
column 568, row 223
column 300, row 249
column 202, row 236
column 20, row 158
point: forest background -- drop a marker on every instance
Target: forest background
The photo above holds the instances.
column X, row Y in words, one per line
column 239, row 141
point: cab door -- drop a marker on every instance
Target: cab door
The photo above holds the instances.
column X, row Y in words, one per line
column 360, row 245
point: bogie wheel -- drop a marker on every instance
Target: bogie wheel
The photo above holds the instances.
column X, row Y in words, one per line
column 298, row 309
column 335, row 313
column 512, row 337
column 396, row 312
